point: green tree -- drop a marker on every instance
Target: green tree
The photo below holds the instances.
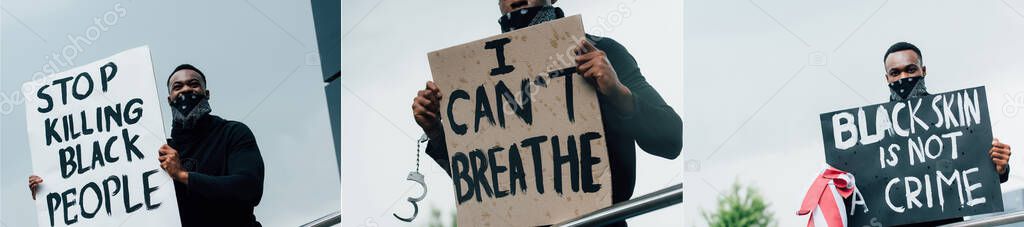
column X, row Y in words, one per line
column 743, row 206
column 437, row 221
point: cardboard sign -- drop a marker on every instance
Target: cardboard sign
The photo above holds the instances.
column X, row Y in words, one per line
column 918, row 160
column 94, row 133
column 524, row 134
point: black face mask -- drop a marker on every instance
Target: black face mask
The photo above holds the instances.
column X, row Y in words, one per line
column 907, row 88
column 529, row 16
column 188, row 109
column 184, row 103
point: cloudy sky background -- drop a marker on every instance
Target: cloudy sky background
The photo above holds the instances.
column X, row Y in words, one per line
column 758, row 73
column 261, row 60
column 385, row 44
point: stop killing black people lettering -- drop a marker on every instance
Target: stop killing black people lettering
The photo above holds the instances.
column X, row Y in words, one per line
column 109, row 137
column 479, row 167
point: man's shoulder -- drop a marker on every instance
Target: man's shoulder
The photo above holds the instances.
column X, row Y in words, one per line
column 621, row 59
column 233, row 127
column 607, row 44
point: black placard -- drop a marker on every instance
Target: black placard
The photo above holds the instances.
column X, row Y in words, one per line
column 917, row 160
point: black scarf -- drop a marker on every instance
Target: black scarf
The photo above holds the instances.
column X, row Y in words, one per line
column 907, row 88
column 188, row 109
column 529, row 16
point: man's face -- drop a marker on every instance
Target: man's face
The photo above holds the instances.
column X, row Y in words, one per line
column 512, row 5
column 186, row 81
column 903, row 64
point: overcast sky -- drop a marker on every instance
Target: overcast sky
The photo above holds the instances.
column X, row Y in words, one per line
column 260, row 57
column 758, row 74
column 384, row 64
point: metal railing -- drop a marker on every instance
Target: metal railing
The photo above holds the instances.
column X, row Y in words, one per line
column 331, row 219
column 1001, row 219
column 665, row 197
column 641, row 205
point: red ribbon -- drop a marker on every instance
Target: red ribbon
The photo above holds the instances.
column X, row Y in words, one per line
column 817, row 196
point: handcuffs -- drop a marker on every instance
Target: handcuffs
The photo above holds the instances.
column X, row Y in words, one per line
column 415, row 176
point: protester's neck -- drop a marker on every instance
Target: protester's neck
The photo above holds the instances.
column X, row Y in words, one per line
column 200, row 124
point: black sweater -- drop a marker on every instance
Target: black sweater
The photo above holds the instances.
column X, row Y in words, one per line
column 225, row 181
column 654, row 125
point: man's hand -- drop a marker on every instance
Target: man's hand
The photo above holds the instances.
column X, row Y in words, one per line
column 1000, row 154
column 593, row 64
column 426, row 110
column 170, row 163
column 33, row 184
